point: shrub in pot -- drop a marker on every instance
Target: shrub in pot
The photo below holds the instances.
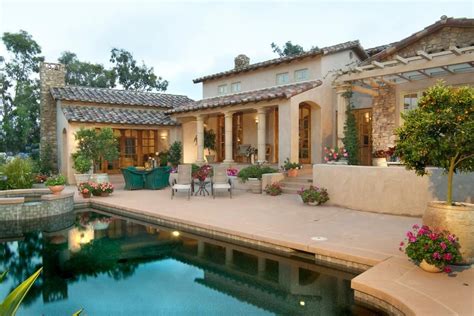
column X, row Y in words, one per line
column 291, row 167
column 82, row 165
column 56, row 183
column 314, row 195
column 253, row 174
column 273, row 189
column 379, row 158
column 440, row 133
column 175, row 153
column 209, row 144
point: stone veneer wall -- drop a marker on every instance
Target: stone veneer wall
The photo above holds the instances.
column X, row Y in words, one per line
column 439, row 41
column 51, row 75
column 383, row 119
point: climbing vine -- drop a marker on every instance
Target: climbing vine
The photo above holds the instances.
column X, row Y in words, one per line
column 351, row 135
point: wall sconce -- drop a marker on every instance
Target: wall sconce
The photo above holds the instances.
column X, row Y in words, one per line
column 256, row 120
column 164, row 136
column 367, row 117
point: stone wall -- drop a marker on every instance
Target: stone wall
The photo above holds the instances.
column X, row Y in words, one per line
column 439, row 41
column 384, row 119
column 51, row 75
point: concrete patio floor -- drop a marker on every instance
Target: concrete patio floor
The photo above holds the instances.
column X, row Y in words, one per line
column 368, row 239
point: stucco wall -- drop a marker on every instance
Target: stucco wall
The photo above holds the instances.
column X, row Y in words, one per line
column 392, row 190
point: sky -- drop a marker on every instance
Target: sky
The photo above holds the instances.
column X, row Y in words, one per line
column 184, row 40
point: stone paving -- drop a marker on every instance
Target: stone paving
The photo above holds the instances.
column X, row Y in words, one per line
column 368, row 239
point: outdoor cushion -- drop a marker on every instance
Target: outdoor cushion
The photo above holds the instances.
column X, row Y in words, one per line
column 221, row 186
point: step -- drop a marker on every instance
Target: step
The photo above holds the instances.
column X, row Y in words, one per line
column 298, row 179
column 295, row 185
column 289, row 190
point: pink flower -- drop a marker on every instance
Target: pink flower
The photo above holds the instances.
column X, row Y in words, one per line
column 433, row 236
column 402, row 244
column 326, row 158
column 345, row 154
column 452, row 238
column 447, row 270
column 436, row 256
column 416, row 226
column 443, row 245
column 448, row 256
column 412, row 239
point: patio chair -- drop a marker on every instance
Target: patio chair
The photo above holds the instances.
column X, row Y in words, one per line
column 183, row 181
column 157, row 178
column 134, row 179
column 220, row 181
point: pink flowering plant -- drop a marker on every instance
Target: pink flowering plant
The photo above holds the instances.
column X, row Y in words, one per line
column 232, row 172
column 314, row 195
column 99, row 188
column 335, row 154
column 438, row 248
column 273, row 189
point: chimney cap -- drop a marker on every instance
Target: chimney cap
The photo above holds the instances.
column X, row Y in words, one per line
column 241, row 61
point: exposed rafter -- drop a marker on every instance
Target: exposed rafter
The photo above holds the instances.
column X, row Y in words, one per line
column 424, row 54
column 401, row 59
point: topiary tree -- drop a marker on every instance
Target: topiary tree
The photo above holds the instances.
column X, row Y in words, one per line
column 440, row 133
column 175, row 153
column 351, row 135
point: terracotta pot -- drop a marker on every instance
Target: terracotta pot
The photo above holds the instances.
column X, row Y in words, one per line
column 458, row 220
column 293, row 173
column 86, row 195
column 379, row 162
column 429, row 267
column 211, row 158
column 56, row 189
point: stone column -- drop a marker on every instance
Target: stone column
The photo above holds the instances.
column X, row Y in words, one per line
column 341, row 115
column 261, row 134
column 228, row 137
column 200, row 139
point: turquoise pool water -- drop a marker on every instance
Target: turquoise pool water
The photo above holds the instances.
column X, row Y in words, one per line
column 112, row 266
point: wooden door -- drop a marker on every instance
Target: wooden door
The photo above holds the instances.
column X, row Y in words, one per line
column 305, row 134
column 220, row 138
column 364, row 128
column 237, row 135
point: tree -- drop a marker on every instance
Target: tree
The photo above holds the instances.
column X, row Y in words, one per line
column 351, row 139
column 289, row 49
column 97, row 146
column 86, row 74
column 133, row 76
column 440, row 133
column 175, row 153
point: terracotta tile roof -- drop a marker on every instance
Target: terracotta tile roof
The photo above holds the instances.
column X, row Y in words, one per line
column 105, row 114
column 267, row 94
column 272, row 62
column 394, row 47
column 115, row 96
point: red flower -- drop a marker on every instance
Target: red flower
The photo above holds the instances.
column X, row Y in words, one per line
column 447, row 270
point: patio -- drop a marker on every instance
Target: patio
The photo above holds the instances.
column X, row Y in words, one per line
column 350, row 238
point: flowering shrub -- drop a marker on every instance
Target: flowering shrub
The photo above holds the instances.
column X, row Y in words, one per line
column 314, row 195
column 56, row 180
column 273, row 189
column 438, row 248
column 287, row 165
column 85, row 188
column 99, row 188
column 335, row 154
column 41, row 178
column 202, row 172
column 232, row 172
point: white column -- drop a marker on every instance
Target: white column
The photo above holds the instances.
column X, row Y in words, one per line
column 261, row 134
column 228, row 137
column 200, row 139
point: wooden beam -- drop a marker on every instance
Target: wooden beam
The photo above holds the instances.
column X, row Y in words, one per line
column 401, row 59
column 424, row 54
column 456, row 51
column 373, row 83
column 365, row 91
column 378, row 64
column 424, row 73
column 391, row 83
column 358, row 69
column 447, row 69
column 403, row 77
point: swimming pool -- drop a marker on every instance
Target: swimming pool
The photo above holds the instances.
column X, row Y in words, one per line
column 115, row 266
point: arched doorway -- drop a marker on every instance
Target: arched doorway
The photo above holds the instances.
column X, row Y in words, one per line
column 304, row 133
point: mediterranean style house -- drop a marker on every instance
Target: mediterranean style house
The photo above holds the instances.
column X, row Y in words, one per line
column 289, row 107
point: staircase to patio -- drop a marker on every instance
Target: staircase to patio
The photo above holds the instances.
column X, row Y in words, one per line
column 291, row 185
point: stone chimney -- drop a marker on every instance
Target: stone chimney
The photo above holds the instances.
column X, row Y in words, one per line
column 241, row 61
column 51, row 75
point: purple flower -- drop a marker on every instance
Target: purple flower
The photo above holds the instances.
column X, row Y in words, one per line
column 412, row 239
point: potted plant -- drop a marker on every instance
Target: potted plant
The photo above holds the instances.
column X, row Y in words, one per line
column 379, row 158
column 314, row 195
column 336, row 156
column 40, row 180
column 102, row 189
column 56, row 183
column 209, row 144
column 82, row 165
column 97, row 146
column 253, row 174
column 175, row 154
column 440, row 133
column 291, row 167
column 273, row 189
column 250, row 154
column 432, row 250
column 85, row 189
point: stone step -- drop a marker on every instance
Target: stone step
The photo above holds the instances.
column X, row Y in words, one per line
column 305, row 179
column 297, row 185
column 287, row 190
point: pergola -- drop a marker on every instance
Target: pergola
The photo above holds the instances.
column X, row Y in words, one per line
column 368, row 79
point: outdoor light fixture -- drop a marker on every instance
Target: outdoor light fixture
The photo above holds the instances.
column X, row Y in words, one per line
column 302, row 303
column 319, row 238
column 175, row 233
column 256, row 120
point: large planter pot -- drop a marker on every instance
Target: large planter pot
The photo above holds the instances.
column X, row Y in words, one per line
column 379, row 162
column 56, row 189
column 293, row 173
column 211, row 158
column 232, row 180
column 255, row 185
column 339, row 162
column 458, row 220
column 429, row 267
column 99, row 177
column 82, row 177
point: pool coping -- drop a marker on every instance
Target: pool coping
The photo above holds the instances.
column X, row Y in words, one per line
column 375, row 285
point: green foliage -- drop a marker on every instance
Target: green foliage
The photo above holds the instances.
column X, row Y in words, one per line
column 81, row 164
column 12, row 302
column 440, row 132
column 254, row 172
column 175, row 153
column 163, row 158
column 97, row 145
column 273, row 189
column 19, row 173
column 314, row 195
column 133, row 76
column 80, row 73
column 287, row 165
column 55, row 180
column 209, row 140
column 351, row 134
column 288, row 49
column 46, row 160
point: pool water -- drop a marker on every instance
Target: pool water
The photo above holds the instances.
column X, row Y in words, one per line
column 115, row 266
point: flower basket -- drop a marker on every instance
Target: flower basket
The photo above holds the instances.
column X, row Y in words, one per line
column 273, row 189
column 101, row 189
column 314, row 195
column 429, row 267
column 86, row 195
column 336, row 156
